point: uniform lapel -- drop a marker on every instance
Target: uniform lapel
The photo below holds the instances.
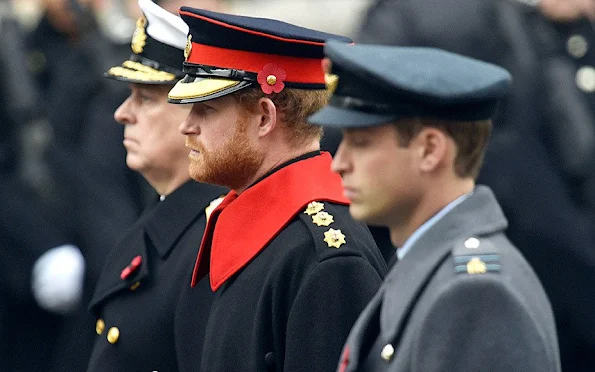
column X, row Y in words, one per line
column 126, row 249
column 478, row 215
column 162, row 226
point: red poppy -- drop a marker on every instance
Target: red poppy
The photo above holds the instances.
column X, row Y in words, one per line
column 271, row 78
column 134, row 264
column 344, row 359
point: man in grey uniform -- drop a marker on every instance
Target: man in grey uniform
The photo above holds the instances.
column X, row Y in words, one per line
column 416, row 122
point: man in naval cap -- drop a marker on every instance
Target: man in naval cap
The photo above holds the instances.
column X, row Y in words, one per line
column 143, row 279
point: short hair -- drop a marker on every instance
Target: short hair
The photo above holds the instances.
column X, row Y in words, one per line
column 470, row 137
column 294, row 106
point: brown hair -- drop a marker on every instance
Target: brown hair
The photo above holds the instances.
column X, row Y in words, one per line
column 294, row 107
column 470, row 137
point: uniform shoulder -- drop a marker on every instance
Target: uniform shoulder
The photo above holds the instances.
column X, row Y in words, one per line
column 487, row 270
column 336, row 234
column 477, row 255
column 490, row 254
column 485, row 281
column 491, row 258
column 468, row 259
column 481, row 314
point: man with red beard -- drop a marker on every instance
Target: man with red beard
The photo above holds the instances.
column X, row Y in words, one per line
column 291, row 270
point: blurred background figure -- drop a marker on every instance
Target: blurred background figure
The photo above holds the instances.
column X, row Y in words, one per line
column 173, row 5
column 50, row 101
column 88, row 189
column 540, row 162
column 41, row 272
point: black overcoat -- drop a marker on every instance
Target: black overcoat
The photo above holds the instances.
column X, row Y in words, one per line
column 288, row 304
column 139, row 288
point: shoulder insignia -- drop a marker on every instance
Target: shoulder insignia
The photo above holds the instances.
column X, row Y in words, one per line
column 480, row 264
column 212, row 205
column 314, row 208
column 334, row 238
column 322, row 218
column 476, row 266
column 476, row 257
column 139, row 37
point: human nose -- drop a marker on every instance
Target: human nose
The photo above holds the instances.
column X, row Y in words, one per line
column 189, row 126
column 340, row 163
column 123, row 114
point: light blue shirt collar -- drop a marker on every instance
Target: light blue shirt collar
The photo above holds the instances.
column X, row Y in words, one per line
column 406, row 247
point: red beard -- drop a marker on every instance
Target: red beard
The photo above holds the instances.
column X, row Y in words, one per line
column 232, row 165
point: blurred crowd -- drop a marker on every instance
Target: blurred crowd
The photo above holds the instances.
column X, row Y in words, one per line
column 67, row 194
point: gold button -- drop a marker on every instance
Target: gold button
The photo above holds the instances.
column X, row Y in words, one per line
column 387, row 352
column 135, row 286
column 113, row 335
column 271, row 79
column 99, row 326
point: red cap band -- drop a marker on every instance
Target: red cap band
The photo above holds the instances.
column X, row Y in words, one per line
column 298, row 69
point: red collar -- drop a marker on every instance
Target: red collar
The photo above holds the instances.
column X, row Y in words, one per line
column 241, row 226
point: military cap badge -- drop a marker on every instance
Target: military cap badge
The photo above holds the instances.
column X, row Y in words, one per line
column 139, row 38
column 154, row 61
column 331, row 80
column 188, row 48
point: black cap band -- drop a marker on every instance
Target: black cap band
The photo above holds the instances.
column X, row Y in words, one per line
column 167, row 55
column 156, row 65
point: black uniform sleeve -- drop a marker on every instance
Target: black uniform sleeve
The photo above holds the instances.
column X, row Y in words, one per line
column 327, row 305
column 479, row 324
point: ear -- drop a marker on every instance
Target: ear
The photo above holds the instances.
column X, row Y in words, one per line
column 433, row 146
column 268, row 116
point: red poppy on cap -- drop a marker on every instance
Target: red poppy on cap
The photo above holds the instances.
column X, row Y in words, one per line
column 271, row 78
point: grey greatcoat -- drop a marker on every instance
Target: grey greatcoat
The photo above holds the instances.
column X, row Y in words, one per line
column 462, row 299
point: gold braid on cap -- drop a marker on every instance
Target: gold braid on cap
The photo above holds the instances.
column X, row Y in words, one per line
column 138, row 71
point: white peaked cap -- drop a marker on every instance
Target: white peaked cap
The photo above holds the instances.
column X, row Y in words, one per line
column 164, row 26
